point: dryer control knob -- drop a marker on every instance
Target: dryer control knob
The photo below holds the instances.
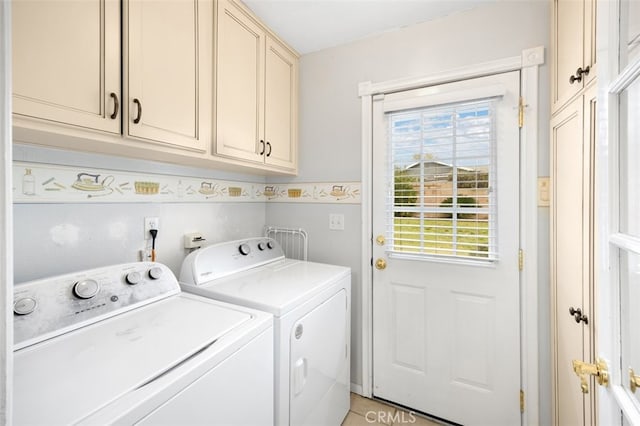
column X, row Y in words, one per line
column 270, row 245
column 133, row 278
column 244, row 249
column 24, row 306
column 155, row 273
column 86, row 289
column 262, row 246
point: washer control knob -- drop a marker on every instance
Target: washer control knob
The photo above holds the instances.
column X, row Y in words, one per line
column 244, row 249
column 86, row 289
column 261, row 246
column 270, row 245
column 133, row 278
column 24, row 306
column 155, row 273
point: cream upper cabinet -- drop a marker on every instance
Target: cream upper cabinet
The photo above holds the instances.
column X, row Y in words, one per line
column 168, row 78
column 255, row 93
column 280, row 105
column 66, row 62
column 239, row 90
column 574, row 49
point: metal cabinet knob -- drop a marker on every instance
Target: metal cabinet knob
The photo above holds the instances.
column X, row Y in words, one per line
column 577, row 315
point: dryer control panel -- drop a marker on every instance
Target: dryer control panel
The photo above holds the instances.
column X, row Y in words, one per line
column 223, row 259
column 49, row 307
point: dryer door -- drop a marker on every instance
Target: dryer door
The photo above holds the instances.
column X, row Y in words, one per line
column 319, row 370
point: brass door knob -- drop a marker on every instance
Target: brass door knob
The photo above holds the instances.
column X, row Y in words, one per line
column 381, row 264
column 634, row 381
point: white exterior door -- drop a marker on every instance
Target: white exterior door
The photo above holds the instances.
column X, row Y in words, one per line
column 618, row 215
column 446, row 287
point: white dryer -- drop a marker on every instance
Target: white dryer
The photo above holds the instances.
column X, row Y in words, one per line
column 124, row 345
column 311, row 304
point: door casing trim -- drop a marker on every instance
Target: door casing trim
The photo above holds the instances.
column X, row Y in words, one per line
column 528, row 63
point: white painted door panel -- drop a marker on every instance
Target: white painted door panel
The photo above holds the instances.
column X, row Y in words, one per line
column 447, row 330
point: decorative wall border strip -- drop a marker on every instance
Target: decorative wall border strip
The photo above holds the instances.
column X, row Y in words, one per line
column 37, row 183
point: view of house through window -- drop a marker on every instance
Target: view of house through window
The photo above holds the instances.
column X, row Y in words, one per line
column 442, row 180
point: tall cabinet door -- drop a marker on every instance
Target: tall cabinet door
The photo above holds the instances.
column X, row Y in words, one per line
column 168, row 73
column 571, row 258
column 280, row 105
column 239, row 85
column 68, row 71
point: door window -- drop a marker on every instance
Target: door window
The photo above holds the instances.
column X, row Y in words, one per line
column 442, row 181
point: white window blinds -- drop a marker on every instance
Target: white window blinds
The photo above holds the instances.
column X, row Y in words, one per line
column 441, row 181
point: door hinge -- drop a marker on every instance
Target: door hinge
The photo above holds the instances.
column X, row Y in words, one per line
column 521, row 112
column 520, row 259
column 521, row 401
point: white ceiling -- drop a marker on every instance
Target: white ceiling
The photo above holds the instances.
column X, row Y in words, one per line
column 312, row 25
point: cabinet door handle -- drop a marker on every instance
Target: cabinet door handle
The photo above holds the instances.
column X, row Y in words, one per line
column 269, row 145
column 139, row 116
column 579, row 73
column 577, row 315
column 263, row 146
column 116, row 106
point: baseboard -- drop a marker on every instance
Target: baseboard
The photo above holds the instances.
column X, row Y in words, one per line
column 355, row 388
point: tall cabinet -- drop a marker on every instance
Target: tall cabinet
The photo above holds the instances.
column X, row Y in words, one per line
column 572, row 132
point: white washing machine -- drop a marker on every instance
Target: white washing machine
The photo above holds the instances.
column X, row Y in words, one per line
column 123, row 344
column 311, row 304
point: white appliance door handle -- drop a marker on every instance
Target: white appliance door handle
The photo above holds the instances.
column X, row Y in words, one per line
column 299, row 376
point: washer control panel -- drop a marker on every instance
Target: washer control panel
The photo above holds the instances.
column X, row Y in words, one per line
column 49, row 307
column 219, row 260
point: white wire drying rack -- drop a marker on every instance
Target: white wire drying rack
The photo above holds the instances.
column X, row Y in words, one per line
column 293, row 241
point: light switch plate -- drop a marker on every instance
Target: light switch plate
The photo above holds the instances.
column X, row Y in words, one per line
column 544, row 191
column 336, row 221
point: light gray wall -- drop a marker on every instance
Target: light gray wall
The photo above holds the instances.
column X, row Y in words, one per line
column 330, row 121
column 53, row 239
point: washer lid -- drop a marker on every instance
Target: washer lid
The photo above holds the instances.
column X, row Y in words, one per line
column 276, row 288
column 64, row 379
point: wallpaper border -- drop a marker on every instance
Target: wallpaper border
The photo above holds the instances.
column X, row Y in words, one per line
column 37, row 183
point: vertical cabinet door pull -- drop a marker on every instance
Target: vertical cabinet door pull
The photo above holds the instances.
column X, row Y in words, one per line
column 116, row 106
column 139, row 116
column 262, row 145
column 269, row 145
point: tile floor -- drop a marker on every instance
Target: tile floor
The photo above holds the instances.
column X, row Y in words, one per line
column 367, row 412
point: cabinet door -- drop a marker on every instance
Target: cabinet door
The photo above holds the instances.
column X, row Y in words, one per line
column 571, row 157
column 167, row 69
column 589, row 52
column 281, row 70
column 568, row 56
column 239, row 88
column 66, row 61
